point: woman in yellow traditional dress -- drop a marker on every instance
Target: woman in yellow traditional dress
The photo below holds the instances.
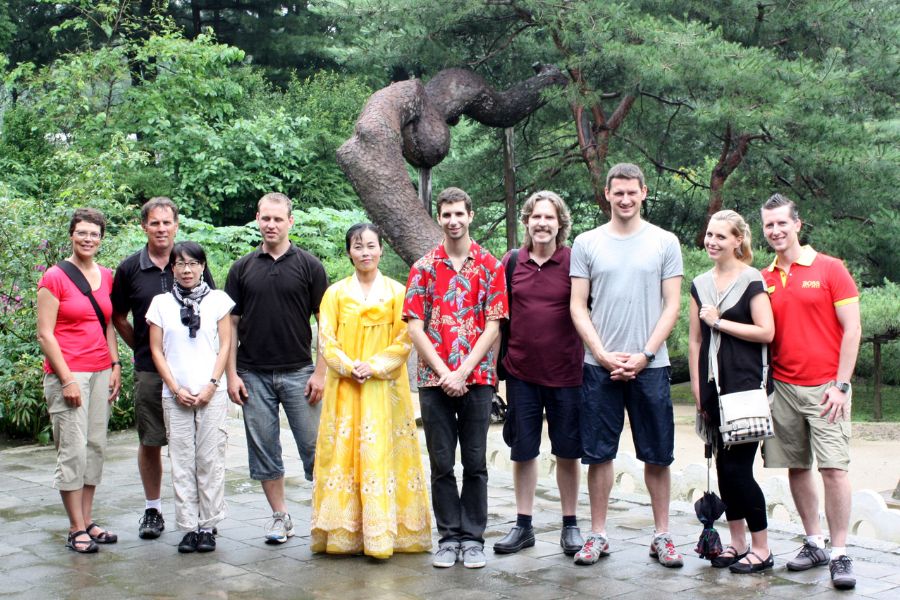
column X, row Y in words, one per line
column 369, row 492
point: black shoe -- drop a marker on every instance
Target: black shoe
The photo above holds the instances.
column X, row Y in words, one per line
column 515, row 540
column 207, row 542
column 743, row 568
column 570, row 539
column 189, row 542
column 152, row 525
column 726, row 560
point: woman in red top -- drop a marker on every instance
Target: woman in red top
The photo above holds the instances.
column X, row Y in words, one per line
column 82, row 375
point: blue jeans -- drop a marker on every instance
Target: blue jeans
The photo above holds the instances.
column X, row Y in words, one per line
column 266, row 390
column 460, row 516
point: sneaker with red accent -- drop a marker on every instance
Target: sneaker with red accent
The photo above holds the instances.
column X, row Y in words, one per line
column 596, row 546
column 662, row 548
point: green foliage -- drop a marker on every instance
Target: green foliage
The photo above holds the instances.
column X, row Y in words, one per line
column 880, row 312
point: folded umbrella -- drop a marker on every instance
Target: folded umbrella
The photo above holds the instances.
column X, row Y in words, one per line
column 709, row 508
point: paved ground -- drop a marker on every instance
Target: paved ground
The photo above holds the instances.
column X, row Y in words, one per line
column 34, row 562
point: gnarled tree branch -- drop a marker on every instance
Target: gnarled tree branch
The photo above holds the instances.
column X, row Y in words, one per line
column 411, row 121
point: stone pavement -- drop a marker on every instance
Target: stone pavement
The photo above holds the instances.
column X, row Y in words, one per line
column 34, row 562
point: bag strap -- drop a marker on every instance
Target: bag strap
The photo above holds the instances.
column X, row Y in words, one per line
column 510, row 267
column 84, row 287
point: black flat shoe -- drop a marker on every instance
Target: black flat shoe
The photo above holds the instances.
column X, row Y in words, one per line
column 189, row 542
column 206, row 542
column 743, row 568
column 570, row 539
column 515, row 540
column 726, row 560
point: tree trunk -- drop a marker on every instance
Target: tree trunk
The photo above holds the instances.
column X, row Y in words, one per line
column 196, row 21
column 877, row 414
column 509, row 184
column 409, row 120
column 734, row 149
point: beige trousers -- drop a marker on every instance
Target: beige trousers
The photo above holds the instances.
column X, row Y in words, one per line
column 197, row 442
column 79, row 433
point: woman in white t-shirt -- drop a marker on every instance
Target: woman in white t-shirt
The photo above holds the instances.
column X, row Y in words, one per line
column 190, row 338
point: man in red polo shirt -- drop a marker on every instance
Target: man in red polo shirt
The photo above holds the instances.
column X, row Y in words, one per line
column 817, row 333
column 455, row 299
column 544, row 366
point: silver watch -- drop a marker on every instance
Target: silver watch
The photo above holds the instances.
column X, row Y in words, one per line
column 842, row 386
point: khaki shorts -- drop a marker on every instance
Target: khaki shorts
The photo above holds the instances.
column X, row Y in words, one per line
column 79, row 433
column 148, row 408
column 801, row 434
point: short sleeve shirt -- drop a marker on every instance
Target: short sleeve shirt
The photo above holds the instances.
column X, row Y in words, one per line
column 455, row 307
column 544, row 347
column 626, row 275
column 138, row 280
column 191, row 359
column 77, row 330
column 807, row 344
column 275, row 299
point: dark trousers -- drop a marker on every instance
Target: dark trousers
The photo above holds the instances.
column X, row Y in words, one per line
column 740, row 492
column 460, row 515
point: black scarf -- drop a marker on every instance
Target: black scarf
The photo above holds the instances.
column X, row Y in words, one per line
column 190, row 298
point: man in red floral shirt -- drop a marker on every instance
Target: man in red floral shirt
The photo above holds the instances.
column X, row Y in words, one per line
column 455, row 299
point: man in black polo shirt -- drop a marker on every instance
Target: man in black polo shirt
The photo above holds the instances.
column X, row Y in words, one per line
column 276, row 289
column 138, row 279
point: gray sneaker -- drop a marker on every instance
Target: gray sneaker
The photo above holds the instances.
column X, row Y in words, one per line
column 809, row 556
column 280, row 528
column 842, row 573
column 473, row 555
column 446, row 555
column 662, row 548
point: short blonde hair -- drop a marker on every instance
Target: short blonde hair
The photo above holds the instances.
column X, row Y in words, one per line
column 739, row 228
column 277, row 198
column 562, row 215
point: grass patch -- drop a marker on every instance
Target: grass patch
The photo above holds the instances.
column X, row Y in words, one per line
column 863, row 400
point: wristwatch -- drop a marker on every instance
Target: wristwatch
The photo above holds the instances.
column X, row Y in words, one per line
column 842, row 386
column 650, row 356
column 214, row 381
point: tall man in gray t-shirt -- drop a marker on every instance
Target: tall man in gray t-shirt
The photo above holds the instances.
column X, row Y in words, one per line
column 632, row 272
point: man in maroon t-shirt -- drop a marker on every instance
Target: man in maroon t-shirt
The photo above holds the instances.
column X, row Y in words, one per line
column 544, row 367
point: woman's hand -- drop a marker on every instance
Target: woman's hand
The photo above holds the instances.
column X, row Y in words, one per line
column 205, row 395
column 709, row 314
column 185, row 398
column 362, row 371
column 71, row 392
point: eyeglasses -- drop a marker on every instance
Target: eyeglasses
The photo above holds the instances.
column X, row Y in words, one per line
column 87, row 235
column 193, row 264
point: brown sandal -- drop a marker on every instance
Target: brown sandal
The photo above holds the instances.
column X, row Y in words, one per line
column 104, row 537
column 81, row 546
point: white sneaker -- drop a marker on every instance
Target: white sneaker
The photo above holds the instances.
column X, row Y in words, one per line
column 280, row 528
column 596, row 546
